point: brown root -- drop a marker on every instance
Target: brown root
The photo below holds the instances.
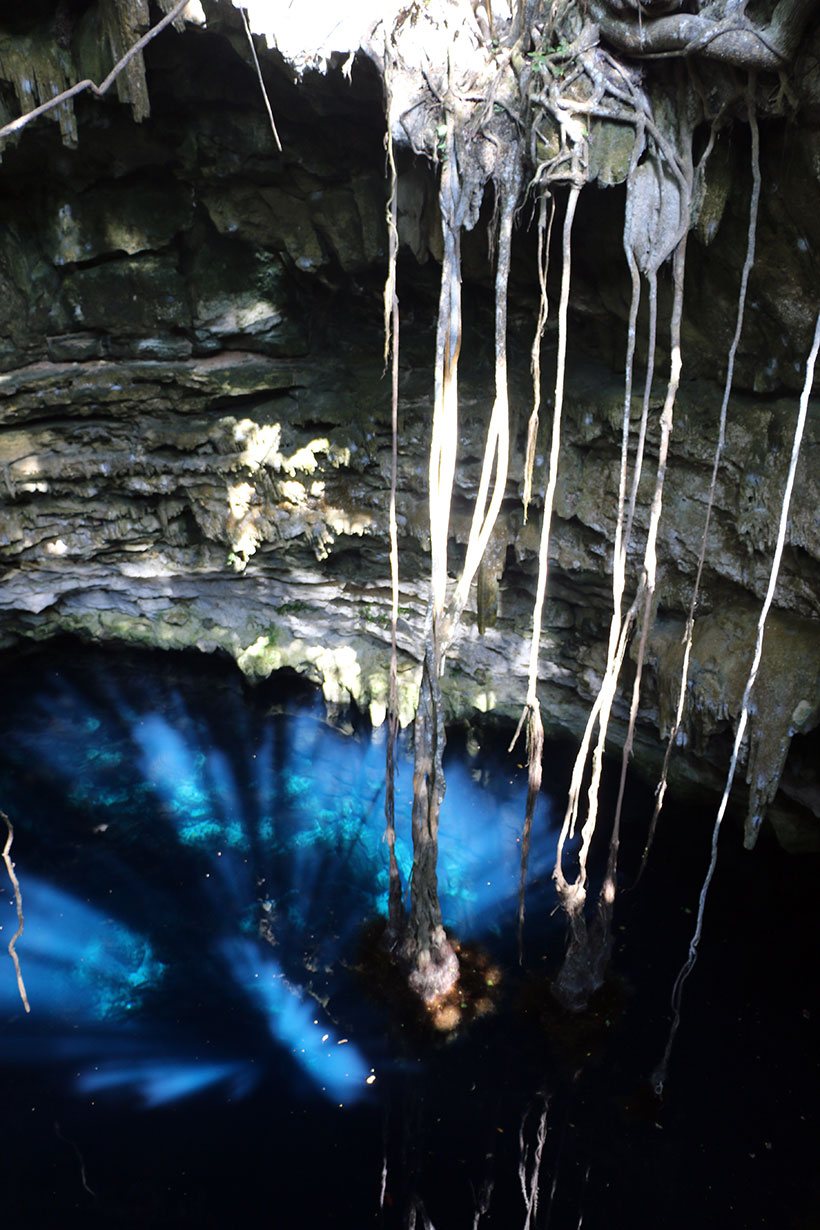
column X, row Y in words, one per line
column 395, row 908
column 660, row 1073
column 733, row 39
column 18, row 902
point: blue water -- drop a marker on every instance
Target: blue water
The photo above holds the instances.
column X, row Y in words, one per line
column 200, row 861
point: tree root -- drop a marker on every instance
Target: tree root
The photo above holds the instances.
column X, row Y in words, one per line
column 732, row 40
column 727, row 389
column 660, row 1073
column 544, row 237
column 532, row 712
column 18, row 902
column 433, row 962
column 395, row 908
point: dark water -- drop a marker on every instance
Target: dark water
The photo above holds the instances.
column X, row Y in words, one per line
column 183, row 1065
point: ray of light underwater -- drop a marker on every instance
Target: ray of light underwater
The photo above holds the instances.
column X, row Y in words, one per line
column 197, row 858
column 234, row 848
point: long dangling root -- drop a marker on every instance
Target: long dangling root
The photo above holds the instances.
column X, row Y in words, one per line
column 644, row 252
column 433, row 960
column 574, row 793
column 529, row 1164
column 586, row 956
column 555, row 441
column 727, row 389
column 18, row 901
column 618, row 632
column 577, row 976
column 395, row 896
column 606, row 899
column 445, row 398
column 433, row 963
column 535, row 751
column 260, row 79
column 618, row 573
column 544, row 237
column 621, row 543
column 497, row 447
column 650, row 554
column 395, row 909
column 660, row 1073
column 532, row 711
column 652, row 281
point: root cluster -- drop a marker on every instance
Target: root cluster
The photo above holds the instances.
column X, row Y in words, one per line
column 525, row 107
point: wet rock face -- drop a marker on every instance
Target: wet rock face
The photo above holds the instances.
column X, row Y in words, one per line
column 194, row 427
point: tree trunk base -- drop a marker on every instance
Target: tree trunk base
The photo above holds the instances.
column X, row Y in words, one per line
column 434, row 970
column 584, row 967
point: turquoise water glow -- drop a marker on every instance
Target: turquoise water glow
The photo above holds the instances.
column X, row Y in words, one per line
column 237, row 836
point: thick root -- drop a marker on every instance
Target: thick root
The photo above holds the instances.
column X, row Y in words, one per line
column 434, row 970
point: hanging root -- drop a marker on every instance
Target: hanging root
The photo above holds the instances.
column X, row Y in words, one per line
column 614, row 658
column 435, row 966
column 727, row 389
column 80, row 1159
column 578, row 976
column 649, row 570
column 619, row 631
column 431, row 958
column 660, row 1073
column 573, row 985
column 529, row 1164
column 497, row 447
column 445, row 399
column 652, row 281
column 18, row 901
column 586, row 958
column 544, row 237
column 532, row 712
column 599, row 956
column 577, row 892
column 484, row 1196
column 247, row 25
column 555, row 441
column 395, row 906
column 535, row 750
column 575, row 980
column 606, row 900
column 418, row 1211
column 621, row 542
column 395, row 910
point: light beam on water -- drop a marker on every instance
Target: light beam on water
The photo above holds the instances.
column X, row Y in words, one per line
column 268, row 830
column 81, row 963
column 333, row 1063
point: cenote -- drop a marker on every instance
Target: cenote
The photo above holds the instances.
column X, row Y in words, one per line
column 216, row 1039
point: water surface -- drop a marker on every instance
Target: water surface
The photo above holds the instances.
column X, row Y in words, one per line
column 211, row 1040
